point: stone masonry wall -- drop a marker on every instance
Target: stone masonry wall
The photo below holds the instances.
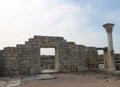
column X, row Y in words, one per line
column 92, row 58
column 0, row 62
column 26, row 59
column 47, row 62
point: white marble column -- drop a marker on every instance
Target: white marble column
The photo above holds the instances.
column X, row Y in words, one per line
column 109, row 27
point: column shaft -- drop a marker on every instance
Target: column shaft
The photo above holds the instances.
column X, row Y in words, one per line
column 110, row 52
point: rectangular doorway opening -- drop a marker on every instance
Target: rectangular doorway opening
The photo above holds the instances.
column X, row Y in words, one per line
column 101, row 65
column 47, row 60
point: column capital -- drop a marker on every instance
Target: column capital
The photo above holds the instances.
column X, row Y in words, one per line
column 108, row 27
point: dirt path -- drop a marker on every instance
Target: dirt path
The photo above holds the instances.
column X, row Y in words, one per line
column 75, row 80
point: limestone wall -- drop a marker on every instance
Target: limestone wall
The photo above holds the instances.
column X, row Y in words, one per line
column 92, row 58
column 47, row 62
column 26, row 59
column 0, row 62
column 73, row 57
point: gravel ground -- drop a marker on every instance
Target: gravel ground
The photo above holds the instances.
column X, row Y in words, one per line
column 75, row 80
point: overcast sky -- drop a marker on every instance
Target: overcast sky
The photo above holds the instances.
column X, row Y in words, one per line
column 76, row 20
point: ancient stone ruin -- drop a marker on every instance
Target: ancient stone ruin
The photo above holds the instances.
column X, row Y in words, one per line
column 26, row 58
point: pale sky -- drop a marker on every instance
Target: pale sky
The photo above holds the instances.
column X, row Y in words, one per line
column 79, row 21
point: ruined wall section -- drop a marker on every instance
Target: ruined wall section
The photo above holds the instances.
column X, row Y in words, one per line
column 92, row 58
column 47, row 62
column 0, row 61
column 73, row 57
column 9, row 61
column 25, row 59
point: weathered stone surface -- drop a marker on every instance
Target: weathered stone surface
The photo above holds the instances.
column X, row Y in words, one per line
column 26, row 58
